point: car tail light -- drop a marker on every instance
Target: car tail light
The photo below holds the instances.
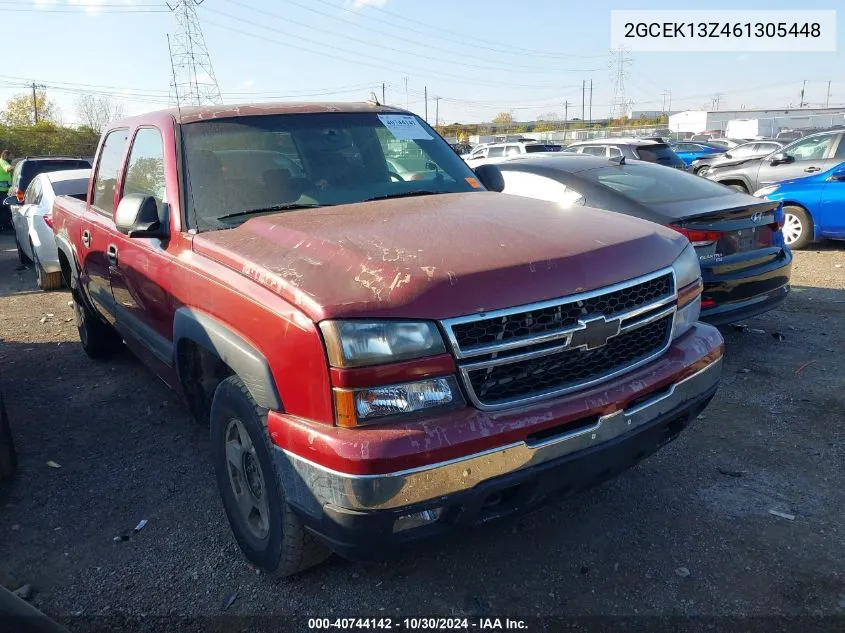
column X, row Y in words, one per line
column 19, row 195
column 696, row 237
column 707, row 303
column 48, row 220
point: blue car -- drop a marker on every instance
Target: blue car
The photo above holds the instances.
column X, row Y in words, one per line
column 814, row 206
column 688, row 151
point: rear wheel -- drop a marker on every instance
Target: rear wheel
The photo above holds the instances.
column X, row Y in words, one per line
column 267, row 530
column 797, row 227
column 45, row 280
column 99, row 340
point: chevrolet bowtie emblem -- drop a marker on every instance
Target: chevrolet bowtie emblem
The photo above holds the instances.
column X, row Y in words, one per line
column 594, row 332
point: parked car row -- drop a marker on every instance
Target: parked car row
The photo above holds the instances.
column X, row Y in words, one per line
column 388, row 345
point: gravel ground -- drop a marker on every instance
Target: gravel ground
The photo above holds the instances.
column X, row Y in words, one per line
column 772, row 439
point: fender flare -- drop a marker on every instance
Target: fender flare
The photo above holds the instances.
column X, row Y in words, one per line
column 65, row 248
column 215, row 337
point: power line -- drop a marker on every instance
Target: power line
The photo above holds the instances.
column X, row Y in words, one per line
column 379, row 45
column 295, row 42
column 394, row 34
column 440, row 30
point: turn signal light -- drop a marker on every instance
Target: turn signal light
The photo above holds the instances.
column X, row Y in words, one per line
column 690, row 293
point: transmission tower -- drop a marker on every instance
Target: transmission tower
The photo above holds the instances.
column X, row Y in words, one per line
column 193, row 77
column 619, row 106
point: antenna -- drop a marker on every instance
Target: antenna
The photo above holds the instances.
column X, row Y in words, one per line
column 374, row 99
column 193, row 75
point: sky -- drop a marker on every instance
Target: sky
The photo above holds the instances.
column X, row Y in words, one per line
column 480, row 57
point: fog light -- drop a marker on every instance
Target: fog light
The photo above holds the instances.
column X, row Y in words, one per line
column 418, row 519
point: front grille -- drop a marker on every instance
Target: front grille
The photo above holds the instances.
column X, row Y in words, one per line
column 558, row 316
column 569, row 368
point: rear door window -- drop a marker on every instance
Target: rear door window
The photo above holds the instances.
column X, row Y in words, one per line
column 108, row 168
column 657, row 153
column 494, row 152
column 512, row 150
column 33, row 192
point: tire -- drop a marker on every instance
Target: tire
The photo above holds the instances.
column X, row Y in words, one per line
column 8, row 457
column 45, row 280
column 22, row 258
column 739, row 188
column 267, row 530
column 99, row 340
column 797, row 227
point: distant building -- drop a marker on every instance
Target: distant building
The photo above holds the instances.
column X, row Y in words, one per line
column 773, row 120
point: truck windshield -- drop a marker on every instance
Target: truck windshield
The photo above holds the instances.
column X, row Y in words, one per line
column 237, row 166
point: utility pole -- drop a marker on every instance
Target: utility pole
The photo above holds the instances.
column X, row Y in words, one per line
column 803, row 87
column 583, row 89
column 670, row 100
column 436, row 111
column 827, row 98
column 425, row 89
column 565, row 117
column 406, row 93
column 34, row 103
column 383, row 98
column 715, row 101
column 590, row 111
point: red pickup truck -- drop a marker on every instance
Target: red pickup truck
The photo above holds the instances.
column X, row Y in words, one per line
column 384, row 349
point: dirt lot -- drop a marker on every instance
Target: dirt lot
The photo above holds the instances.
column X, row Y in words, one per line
column 773, row 439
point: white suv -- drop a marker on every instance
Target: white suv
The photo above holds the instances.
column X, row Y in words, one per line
column 504, row 150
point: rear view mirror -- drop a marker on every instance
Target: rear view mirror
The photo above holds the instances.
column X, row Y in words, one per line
column 780, row 158
column 138, row 216
column 837, row 176
column 491, row 177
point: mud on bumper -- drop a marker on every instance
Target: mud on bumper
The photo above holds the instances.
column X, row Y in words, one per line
column 358, row 516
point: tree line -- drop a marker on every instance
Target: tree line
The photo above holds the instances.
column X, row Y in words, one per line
column 32, row 125
column 504, row 123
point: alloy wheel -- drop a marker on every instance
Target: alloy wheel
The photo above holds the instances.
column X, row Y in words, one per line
column 247, row 479
column 792, row 229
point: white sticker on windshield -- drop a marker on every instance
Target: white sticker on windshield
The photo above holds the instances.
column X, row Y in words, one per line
column 404, row 127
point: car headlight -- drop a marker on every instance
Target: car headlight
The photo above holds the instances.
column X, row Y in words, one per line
column 688, row 282
column 363, row 343
column 765, row 191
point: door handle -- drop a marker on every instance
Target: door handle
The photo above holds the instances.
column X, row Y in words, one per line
column 810, row 170
column 111, row 253
column 86, row 238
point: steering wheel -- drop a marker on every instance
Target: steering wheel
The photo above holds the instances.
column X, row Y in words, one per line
column 396, row 176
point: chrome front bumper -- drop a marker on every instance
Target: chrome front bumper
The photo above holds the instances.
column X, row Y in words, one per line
column 313, row 486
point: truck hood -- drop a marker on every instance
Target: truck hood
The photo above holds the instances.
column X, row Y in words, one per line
column 438, row 256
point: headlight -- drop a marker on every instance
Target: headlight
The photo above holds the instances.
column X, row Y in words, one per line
column 765, row 191
column 357, row 407
column 689, row 286
column 362, row 343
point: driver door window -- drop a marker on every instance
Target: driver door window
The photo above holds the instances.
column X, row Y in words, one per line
column 814, row 148
column 594, row 150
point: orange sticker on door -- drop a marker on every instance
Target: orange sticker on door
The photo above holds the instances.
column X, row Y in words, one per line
column 473, row 183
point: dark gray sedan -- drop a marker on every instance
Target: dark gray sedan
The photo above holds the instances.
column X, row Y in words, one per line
column 744, row 263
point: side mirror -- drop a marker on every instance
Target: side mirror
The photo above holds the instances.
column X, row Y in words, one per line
column 10, row 200
column 491, row 177
column 137, row 216
column 780, row 158
column 728, row 155
column 431, row 166
column 837, row 176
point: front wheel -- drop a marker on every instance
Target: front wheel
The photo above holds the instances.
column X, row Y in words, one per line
column 22, row 258
column 267, row 530
column 797, row 227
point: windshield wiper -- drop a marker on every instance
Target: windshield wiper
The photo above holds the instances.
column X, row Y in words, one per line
column 278, row 207
column 406, row 194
